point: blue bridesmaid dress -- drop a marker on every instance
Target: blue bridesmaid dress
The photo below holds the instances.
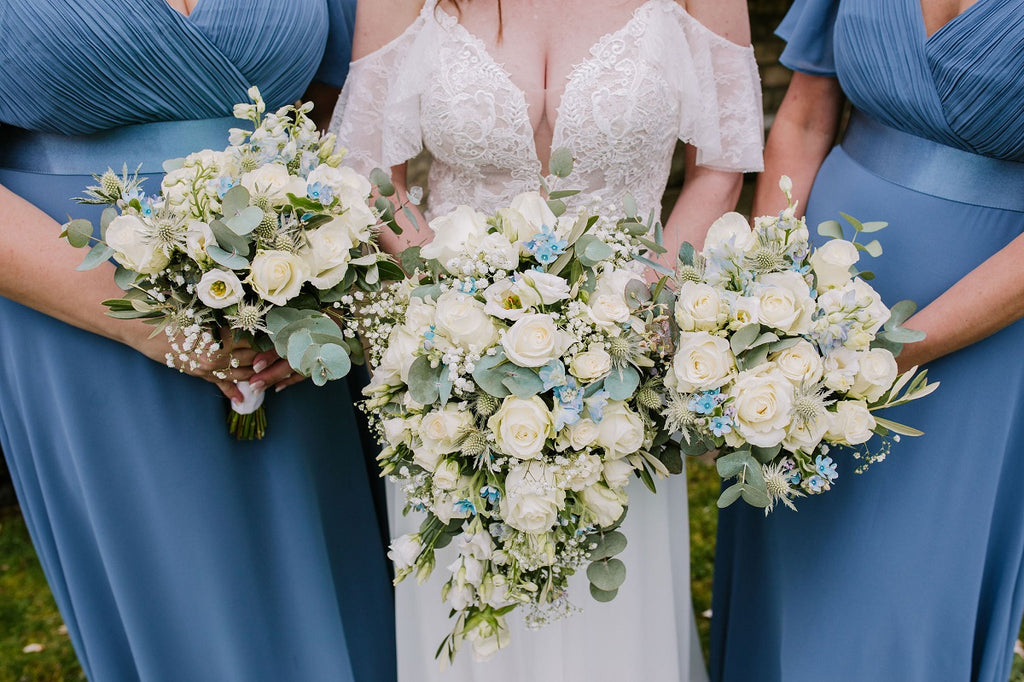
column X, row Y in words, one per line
column 175, row 553
column 914, row 571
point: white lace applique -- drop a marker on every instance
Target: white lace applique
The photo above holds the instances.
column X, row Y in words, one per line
column 662, row 76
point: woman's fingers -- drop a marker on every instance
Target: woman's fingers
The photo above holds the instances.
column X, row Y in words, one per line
column 272, row 375
column 229, row 389
column 293, row 379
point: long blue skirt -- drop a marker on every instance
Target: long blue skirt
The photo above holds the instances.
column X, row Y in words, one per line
column 174, row 552
column 911, row 572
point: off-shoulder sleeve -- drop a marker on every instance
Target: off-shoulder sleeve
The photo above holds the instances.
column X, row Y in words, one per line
column 341, row 17
column 719, row 91
column 377, row 118
column 808, row 29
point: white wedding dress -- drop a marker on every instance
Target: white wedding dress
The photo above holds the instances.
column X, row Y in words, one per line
column 663, row 76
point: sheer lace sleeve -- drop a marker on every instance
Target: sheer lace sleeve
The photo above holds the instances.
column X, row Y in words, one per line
column 720, row 94
column 377, row 118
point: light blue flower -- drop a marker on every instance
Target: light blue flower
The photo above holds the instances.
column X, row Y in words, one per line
column 222, row 184
column 147, row 206
column 596, row 404
column 467, row 286
column 545, row 246
column 721, row 425
column 321, row 192
column 569, row 404
column 428, row 338
column 464, row 506
column 491, row 494
column 553, row 374
column 815, row 484
column 826, row 467
column 704, row 403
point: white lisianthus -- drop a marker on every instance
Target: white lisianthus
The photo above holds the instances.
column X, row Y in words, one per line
column 359, row 220
column 831, row 263
column 499, row 252
column 621, row 431
column 800, row 363
column 348, row 186
column 850, row 424
column 398, row 355
column 534, row 208
column 521, row 427
column 617, row 473
column 534, row 340
column 731, row 228
column 396, row 430
column 592, row 364
column 743, row 310
column 487, row 639
column 703, row 362
column 872, row 313
column 455, row 234
column 463, row 321
column 404, row 550
column 602, row 504
column 509, row 300
column 219, row 288
column 277, row 276
column 763, row 400
column 447, row 475
column 532, row 498
column 198, row 238
column 699, row 307
column 876, row 373
column 784, row 302
column 841, row 369
column 515, row 227
column 480, row 546
column 582, row 434
column 274, row 182
column 438, row 431
column 327, row 254
column 550, row 288
column 126, row 235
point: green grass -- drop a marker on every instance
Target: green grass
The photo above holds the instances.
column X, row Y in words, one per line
column 29, row 616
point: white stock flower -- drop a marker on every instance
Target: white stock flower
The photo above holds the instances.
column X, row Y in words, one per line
column 731, row 228
column 396, row 430
column 277, row 276
column 455, row 234
column 621, row 431
column 800, row 363
column 743, row 310
column 521, row 427
column 784, row 302
column 602, row 504
column 534, row 340
column 832, row 262
column 841, row 368
column 327, row 254
column 699, row 307
column 702, row 362
column 219, row 288
column 607, row 304
column 126, row 235
column 274, row 182
column 463, row 321
column 850, row 424
column 398, row 356
column 592, row 364
column 763, row 400
column 532, row 498
column 876, row 373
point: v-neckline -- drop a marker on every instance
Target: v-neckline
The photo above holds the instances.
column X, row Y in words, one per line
column 190, row 15
column 570, row 77
column 924, row 26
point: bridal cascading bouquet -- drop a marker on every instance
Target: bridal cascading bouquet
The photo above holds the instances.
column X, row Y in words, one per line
column 784, row 351
column 262, row 240
column 516, row 390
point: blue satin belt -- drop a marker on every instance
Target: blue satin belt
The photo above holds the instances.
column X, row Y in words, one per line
column 145, row 144
column 933, row 168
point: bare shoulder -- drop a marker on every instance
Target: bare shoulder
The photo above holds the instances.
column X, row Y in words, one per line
column 378, row 22
column 727, row 18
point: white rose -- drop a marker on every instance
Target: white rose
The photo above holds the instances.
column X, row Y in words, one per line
column 533, row 207
column 521, row 427
column 602, row 504
column 438, row 431
column 832, row 262
column 534, row 340
column 805, row 437
column 763, row 400
column 784, row 302
column 699, row 307
column 876, row 373
column 487, row 640
column 532, row 498
column 463, row 321
column 509, row 300
column 220, row 288
column 850, row 424
column 702, row 362
column 328, row 254
column 800, row 363
column 197, row 239
column 277, row 276
column 457, row 233
column 396, row 430
column 550, row 288
column 731, row 228
column 607, row 304
column 499, row 252
column 617, row 473
column 621, row 431
column 447, row 475
column 126, row 235
column 592, row 364
column 582, row 434
column 841, row 369
column 274, row 182
column 404, row 551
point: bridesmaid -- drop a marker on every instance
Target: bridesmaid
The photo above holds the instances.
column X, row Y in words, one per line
column 174, row 553
column 913, row 572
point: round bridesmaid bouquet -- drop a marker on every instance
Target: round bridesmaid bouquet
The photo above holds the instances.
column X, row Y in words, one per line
column 263, row 240
column 516, row 389
column 783, row 353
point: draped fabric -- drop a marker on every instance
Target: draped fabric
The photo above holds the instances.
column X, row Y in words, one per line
column 174, row 552
column 914, row 571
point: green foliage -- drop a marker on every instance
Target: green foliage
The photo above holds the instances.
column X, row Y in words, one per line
column 561, row 162
column 99, row 254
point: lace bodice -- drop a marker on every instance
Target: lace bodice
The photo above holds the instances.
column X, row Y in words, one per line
column 660, row 77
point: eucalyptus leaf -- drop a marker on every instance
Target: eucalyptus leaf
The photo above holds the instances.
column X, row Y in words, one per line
column 831, row 228
column 635, row 227
column 563, row 194
column 744, row 338
column 608, row 545
column 637, row 293
column 873, row 226
column 78, row 232
column 317, row 323
column 489, row 376
column 232, row 260
column 900, row 313
column 521, row 381
column 622, row 382
column 657, row 267
column 100, row 253
column 602, row 596
column 125, row 278
column 652, row 246
column 107, row 217
column 235, row 200
column 385, row 209
column 557, row 206
column 730, row 495
column 901, row 335
column 561, row 162
column 427, row 291
column 245, row 221
column 672, row 457
column 629, row 205
column 331, row 362
column 382, row 181
column 857, row 226
column 896, row 427
column 280, row 317
column 228, row 240
column 755, row 497
column 410, row 259
column 783, row 344
column 424, row 381
column 608, row 574
column 874, row 248
column 687, row 253
column 765, row 455
column 298, row 344
column 734, row 463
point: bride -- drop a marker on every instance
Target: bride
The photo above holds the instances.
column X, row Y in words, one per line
column 490, row 88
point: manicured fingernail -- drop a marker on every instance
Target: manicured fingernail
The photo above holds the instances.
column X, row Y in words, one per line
column 259, row 366
column 237, row 399
column 257, row 386
column 279, row 388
